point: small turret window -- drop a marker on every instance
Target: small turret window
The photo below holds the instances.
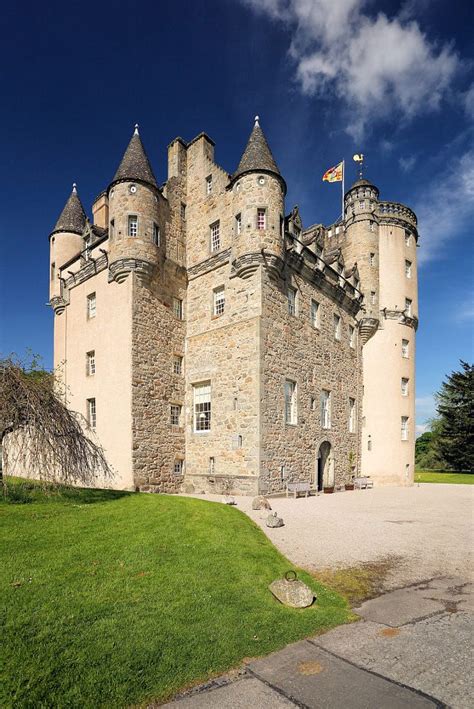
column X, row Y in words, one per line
column 53, row 271
column 404, row 428
column 372, row 259
column 405, row 348
column 238, row 224
column 156, row 234
column 183, row 211
column 408, row 304
column 112, row 228
column 261, row 218
column 132, row 225
column 209, row 184
column 407, row 238
column 404, row 386
column 408, row 269
column 373, row 297
column 362, row 204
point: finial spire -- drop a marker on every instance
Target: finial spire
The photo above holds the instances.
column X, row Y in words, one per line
column 359, row 157
column 135, row 132
column 257, row 118
column 74, row 187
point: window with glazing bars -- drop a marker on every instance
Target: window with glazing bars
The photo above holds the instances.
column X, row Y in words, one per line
column 91, row 413
column 352, row 415
column 325, row 409
column 177, row 364
column 91, row 305
column 219, row 300
column 292, row 301
column 178, row 308
column 175, row 415
column 261, row 218
column 209, row 184
column 215, row 236
column 132, row 225
column 202, row 406
column 337, row 327
column 178, row 466
column 290, row 402
column 91, row 363
column 314, row 313
column 238, row 224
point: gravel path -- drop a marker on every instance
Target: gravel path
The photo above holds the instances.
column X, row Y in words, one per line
column 426, row 530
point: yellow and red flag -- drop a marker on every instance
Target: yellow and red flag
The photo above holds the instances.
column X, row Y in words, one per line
column 334, row 174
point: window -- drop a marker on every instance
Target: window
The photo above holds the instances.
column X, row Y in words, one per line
column 290, row 402
column 405, row 428
column 238, row 224
column 292, row 301
column 202, row 406
column 178, row 308
column 178, row 466
column 312, row 403
column 156, row 234
column 404, row 386
column 405, row 348
column 373, row 297
column 314, row 313
column 215, row 236
column 91, row 306
column 407, row 238
column 371, row 225
column 337, row 327
column 372, row 259
column 91, row 413
column 408, row 269
column 53, row 271
column 352, row 336
column 112, row 228
column 362, row 204
column 175, row 415
column 219, row 300
column 408, row 304
column 212, row 465
column 132, row 225
column 352, row 415
column 90, row 363
column 177, row 364
column 183, row 211
column 282, row 472
column 261, row 219
column 325, row 409
column 209, row 184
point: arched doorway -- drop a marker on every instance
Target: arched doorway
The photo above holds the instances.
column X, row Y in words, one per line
column 324, row 466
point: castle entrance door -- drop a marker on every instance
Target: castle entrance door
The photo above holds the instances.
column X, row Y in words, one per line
column 324, row 466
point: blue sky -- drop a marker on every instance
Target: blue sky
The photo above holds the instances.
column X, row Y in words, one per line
column 327, row 77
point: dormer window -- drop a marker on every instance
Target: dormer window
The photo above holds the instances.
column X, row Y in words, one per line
column 132, row 225
column 209, row 184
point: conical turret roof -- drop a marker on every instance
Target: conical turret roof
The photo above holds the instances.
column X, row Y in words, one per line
column 73, row 217
column 135, row 164
column 257, row 156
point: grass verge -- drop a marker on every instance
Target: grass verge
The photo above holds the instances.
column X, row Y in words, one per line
column 429, row 476
column 111, row 599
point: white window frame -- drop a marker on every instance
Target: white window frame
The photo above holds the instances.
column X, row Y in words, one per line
column 215, row 236
column 209, row 185
column 325, row 401
column 373, row 297
column 175, row 415
column 404, row 384
column 261, row 218
column 238, row 223
column 408, row 268
column 314, row 314
column 372, row 259
column 90, row 363
column 218, row 301
column 292, row 298
column 352, row 336
column 178, row 308
column 407, row 238
column 132, row 226
column 337, row 326
column 352, row 415
column 178, row 466
column 177, row 364
column 91, row 306
column 202, row 407
column 404, row 427
column 291, row 402
column 156, row 234
column 92, row 413
column 408, row 307
column 405, row 349
column 362, row 204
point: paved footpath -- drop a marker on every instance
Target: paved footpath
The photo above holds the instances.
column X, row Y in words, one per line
column 412, row 648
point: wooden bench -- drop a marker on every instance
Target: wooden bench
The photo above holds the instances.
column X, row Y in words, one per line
column 363, row 483
column 298, row 488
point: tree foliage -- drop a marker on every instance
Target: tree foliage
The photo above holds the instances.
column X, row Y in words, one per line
column 45, row 435
column 455, row 406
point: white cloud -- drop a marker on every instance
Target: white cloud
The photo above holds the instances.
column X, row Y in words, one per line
column 378, row 66
column 445, row 206
column 469, row 102
column 407, row 164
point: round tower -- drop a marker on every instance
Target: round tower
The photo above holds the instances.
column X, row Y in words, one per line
column 65, row 241
column 135, row 229
column 258, row 203
column 381, row 237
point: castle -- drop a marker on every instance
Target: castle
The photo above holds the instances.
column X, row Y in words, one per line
column 213, row 343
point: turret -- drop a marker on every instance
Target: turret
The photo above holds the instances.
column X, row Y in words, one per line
column 258, row 194
column 135, row 229
column 65, row 241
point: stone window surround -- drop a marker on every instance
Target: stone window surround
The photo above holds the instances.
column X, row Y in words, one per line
column 405, row 349
column 408, row 266
column 352, row 336
column 178, row 466
column 91, row 305
column 130, row 217
column 352, row 414
column 292, row 294
column 290, row 393
column 261, row 211
column 337, row 321
column 218, row 301
column 176, row 414
column 177, row 364
column 209, row 185
column 215, row 236
column 90, row 363
column 238, row 223
column 92, row 413
column 203, row 400
column 326, row 406
column 404, row 384
column 404, row 427
column 315, row 314
column 178, row 310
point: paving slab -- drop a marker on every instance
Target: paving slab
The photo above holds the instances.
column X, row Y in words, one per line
column 244, row 693
column 315, row 678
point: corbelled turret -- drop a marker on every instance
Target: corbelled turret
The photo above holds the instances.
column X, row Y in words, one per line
column 135, row 165
column 65, row 242
column 73, row 217
column 257, row 156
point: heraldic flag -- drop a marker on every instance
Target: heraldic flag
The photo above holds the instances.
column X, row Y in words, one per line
column 334, row 174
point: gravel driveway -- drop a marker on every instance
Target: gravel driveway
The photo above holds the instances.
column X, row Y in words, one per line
column 425, row 530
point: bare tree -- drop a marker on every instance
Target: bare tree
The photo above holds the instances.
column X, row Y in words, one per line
column 45, row 434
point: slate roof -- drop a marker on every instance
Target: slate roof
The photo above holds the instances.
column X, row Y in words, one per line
column 73, row 216
column 363, row 182
column 135, row 164
column 257, row 156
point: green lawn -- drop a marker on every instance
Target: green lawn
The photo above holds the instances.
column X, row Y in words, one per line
column 112, row 599
column 430, row 476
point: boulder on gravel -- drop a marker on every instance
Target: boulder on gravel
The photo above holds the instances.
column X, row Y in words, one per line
column 274, row 521
column 260, row 503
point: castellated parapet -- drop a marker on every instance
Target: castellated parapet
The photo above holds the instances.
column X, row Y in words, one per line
column 216, row 345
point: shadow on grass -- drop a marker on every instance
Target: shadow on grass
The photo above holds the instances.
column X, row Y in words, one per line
column 20, row 492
